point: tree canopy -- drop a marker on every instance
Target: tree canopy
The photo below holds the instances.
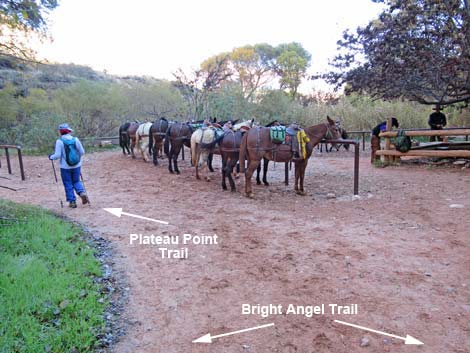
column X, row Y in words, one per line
column 18, row 20
column 252, row 67
column 416, row 49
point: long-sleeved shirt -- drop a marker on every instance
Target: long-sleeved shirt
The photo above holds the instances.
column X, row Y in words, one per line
column 379, row 128
column 60, row 152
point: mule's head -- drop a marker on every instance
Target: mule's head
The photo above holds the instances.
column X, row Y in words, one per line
column 245, row 125
column 332, row 130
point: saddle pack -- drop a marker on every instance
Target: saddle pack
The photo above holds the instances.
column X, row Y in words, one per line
column 402, row 142
column 277, row 134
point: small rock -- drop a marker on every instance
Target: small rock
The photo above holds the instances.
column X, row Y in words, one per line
column 245, row 346
column 456, row 205
column 330, row 195
column 451, row 290
column 427, row 274
column 347, row 260
column 365, row 342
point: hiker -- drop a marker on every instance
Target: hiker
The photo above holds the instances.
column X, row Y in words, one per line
column 437, row 121
column 375, row 139
column 70, row 151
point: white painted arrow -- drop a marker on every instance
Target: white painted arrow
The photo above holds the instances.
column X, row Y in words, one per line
column 408, row 339
column 118, row 212
column 208, row 338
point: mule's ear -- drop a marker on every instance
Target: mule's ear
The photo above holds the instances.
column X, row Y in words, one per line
column 331, row 122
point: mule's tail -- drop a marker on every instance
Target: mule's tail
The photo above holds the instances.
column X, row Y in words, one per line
column 193, row 150
column 243, row 150
column 166, row 145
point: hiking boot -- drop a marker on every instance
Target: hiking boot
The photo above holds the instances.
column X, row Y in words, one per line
column 72, row 204
column 84, row 198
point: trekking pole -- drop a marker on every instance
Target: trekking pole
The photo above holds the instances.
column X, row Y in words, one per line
column 84, row 188
column 57, row 185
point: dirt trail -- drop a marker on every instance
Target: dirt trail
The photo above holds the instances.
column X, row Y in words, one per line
column 399, row 252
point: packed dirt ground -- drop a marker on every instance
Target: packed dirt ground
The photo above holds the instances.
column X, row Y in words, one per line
column 400, row 252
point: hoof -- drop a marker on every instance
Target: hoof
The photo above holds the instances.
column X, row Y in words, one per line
column 208, row 179
column 233, row 190
column 266, row 184
column 301, row 193
column 224, row 187
column 250, row 195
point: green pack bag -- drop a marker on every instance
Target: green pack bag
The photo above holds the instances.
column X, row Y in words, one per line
column 402, row 142
column 277, row 134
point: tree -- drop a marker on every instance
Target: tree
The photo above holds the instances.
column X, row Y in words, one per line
column 416, row 49
column 196, row 86
column 156, row 99
column 253, row 66
column 291, row 66
column 18, row 20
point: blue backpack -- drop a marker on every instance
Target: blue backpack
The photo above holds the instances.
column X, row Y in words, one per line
column 72, row 157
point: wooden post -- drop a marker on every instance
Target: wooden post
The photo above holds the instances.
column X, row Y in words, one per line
column 20, row 160
column 7, row 155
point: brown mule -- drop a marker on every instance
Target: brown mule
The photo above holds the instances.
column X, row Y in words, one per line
column 177, row 136
column 131, row 133
column 257, row 144
column 229, row 148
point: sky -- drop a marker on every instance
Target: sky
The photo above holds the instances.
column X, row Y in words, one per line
column 155, row 37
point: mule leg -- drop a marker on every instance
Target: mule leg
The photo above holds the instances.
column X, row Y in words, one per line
column 198, row 155
column 297, row 174
column 155, row 153
column 175, row 161
column 230, row 165
column 224, row 165
column 170, row 159
column 132, row 148
column 302, row 176
column 252, row 165
column 300, row 168
column 258, row 172
column 175, row 153
column 204, row 163
column 265, row 171
column 209, row 162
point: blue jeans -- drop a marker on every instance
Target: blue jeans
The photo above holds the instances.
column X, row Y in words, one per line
column 71, row 180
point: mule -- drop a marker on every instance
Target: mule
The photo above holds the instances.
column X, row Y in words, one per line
column 131, row 133
column 229, row 148
column 257, row 144
column 204, row 141
column 177, row 136
column 344, row 135
column 266, row 161
column 142, row 140
column 157, row 134
column 124, row 140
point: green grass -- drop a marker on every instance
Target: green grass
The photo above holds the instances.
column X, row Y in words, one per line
column 48, row 299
